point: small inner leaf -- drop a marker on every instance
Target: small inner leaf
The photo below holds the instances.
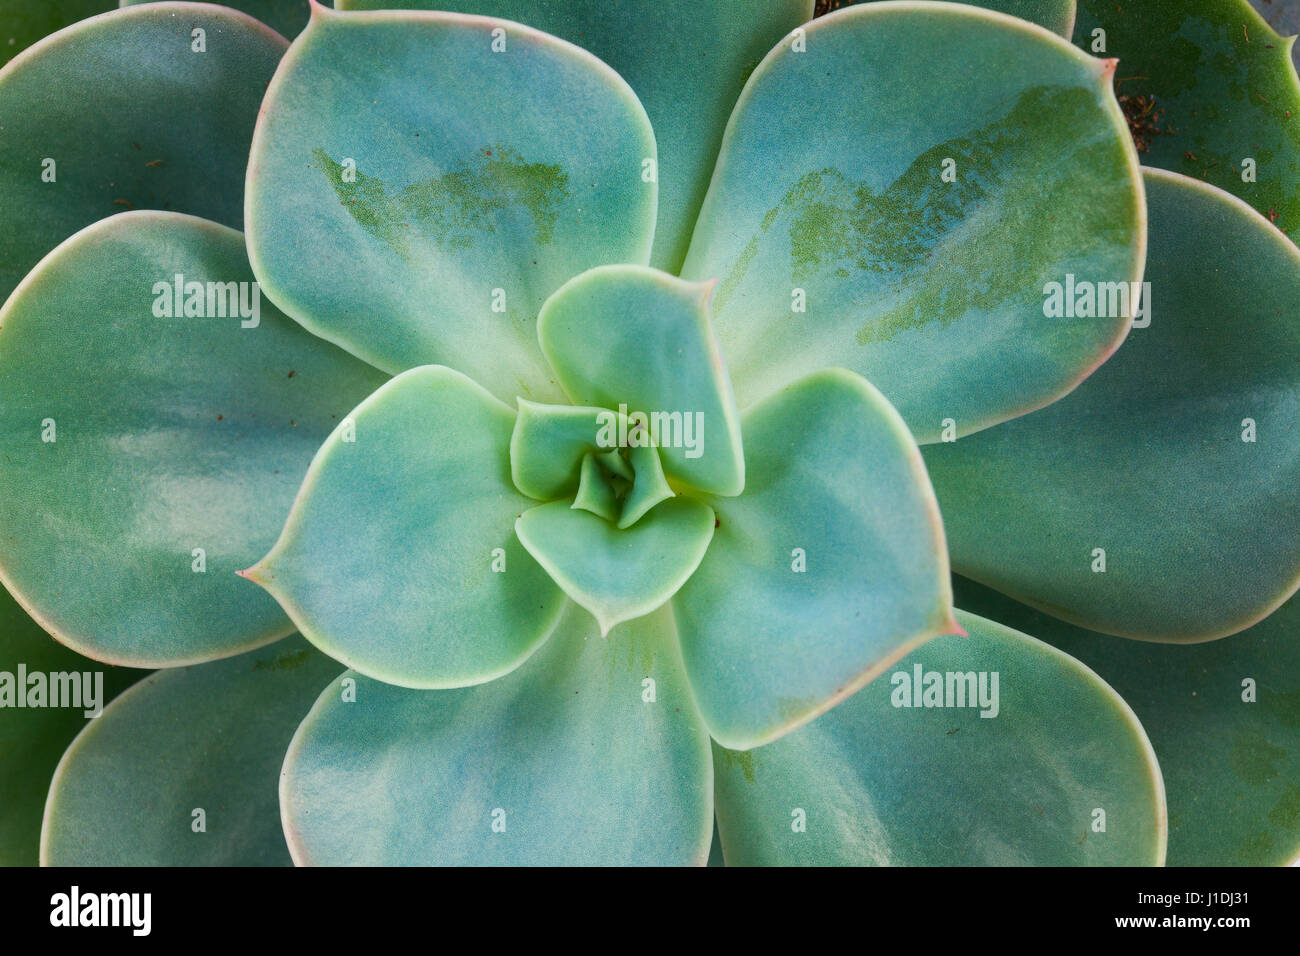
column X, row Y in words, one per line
column 595, row 493
column 641, row 341
column 618, row 574
column 548, row 444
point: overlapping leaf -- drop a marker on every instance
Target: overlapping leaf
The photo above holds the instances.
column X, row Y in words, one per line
column 1161, row 500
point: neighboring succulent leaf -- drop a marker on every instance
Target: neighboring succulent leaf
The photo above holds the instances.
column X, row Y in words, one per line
column 1177, row 459
column 1231, row 766
column 285, row 17
column 398, row 558
column 1056, row 15
column 415, row 196
column 32, row 739
column 686, row 60
column 148, row 456
column 182, row 770
column 23, row 22
column 1019, row 779
column 839, row 240
column 590, row 753
column 824, row 572
column 627, row 335
column 618, row 573
column 119, row 112
column 1209, row 86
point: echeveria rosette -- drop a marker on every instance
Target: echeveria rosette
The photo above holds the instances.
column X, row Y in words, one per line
column 426, row 472
column 399, row 256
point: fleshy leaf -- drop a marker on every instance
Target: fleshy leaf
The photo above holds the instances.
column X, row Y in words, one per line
column 1161, row 500
column 33, row 738
column 590, row 753
column 910, row 234
column 22, row 22
column 1211, row 87
column 594, row 492
column 120, row 112
column 1055, row 15
column 183, row 747
column 686, row 60
column 548, row 444
column 398, row 557
column 618, row 573
column 149, row 453
column 649, row 485
column 424, row 214
column 285, row 17
column 1014, row 774
column 825, row 571
column 1222, row 717
column 631, row 336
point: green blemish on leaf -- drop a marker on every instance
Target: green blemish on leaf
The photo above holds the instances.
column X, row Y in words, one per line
column 455, row 208
column 1282, row 706
column 285, row 662
column 1252, row 758
column 744, row 759
column 1286, row 812
column 886, row 249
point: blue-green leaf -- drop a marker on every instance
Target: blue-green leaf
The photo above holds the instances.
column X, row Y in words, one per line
column 157, row 417
column 398, row 558
column 825, row 571
column 640, row 340
column 892, row 198
column 1005, row 752
column 1161, row 500
column 122, row 112
column 420, row 183
column 591, row 753
column 182, row 769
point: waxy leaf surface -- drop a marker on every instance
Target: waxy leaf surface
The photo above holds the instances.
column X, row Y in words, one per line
column 590, row 753
column 1014, row 778
column 686, row 60
column 1057, row 15
column 626, row 335
column 1179, row 459
column 120, row 112
column 399, row 558
column 1224, row 718
column 618, row 573
column 415, row 195
column 33, row 738
column 149, row 455
column 1214, row 92
column 827, row 569
column 896, row 199
column 183, row 769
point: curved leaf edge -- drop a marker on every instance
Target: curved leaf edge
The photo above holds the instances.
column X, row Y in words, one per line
column 1289, row 587
column 79, row 642
column 283, row 299
column 1105, row 70
column 949, row 626
column 1094, row 680
column 301, row 621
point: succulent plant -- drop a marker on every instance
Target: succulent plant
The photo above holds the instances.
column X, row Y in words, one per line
column 594, row 400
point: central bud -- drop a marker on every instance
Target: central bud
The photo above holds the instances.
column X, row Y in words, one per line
column 604, row 460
